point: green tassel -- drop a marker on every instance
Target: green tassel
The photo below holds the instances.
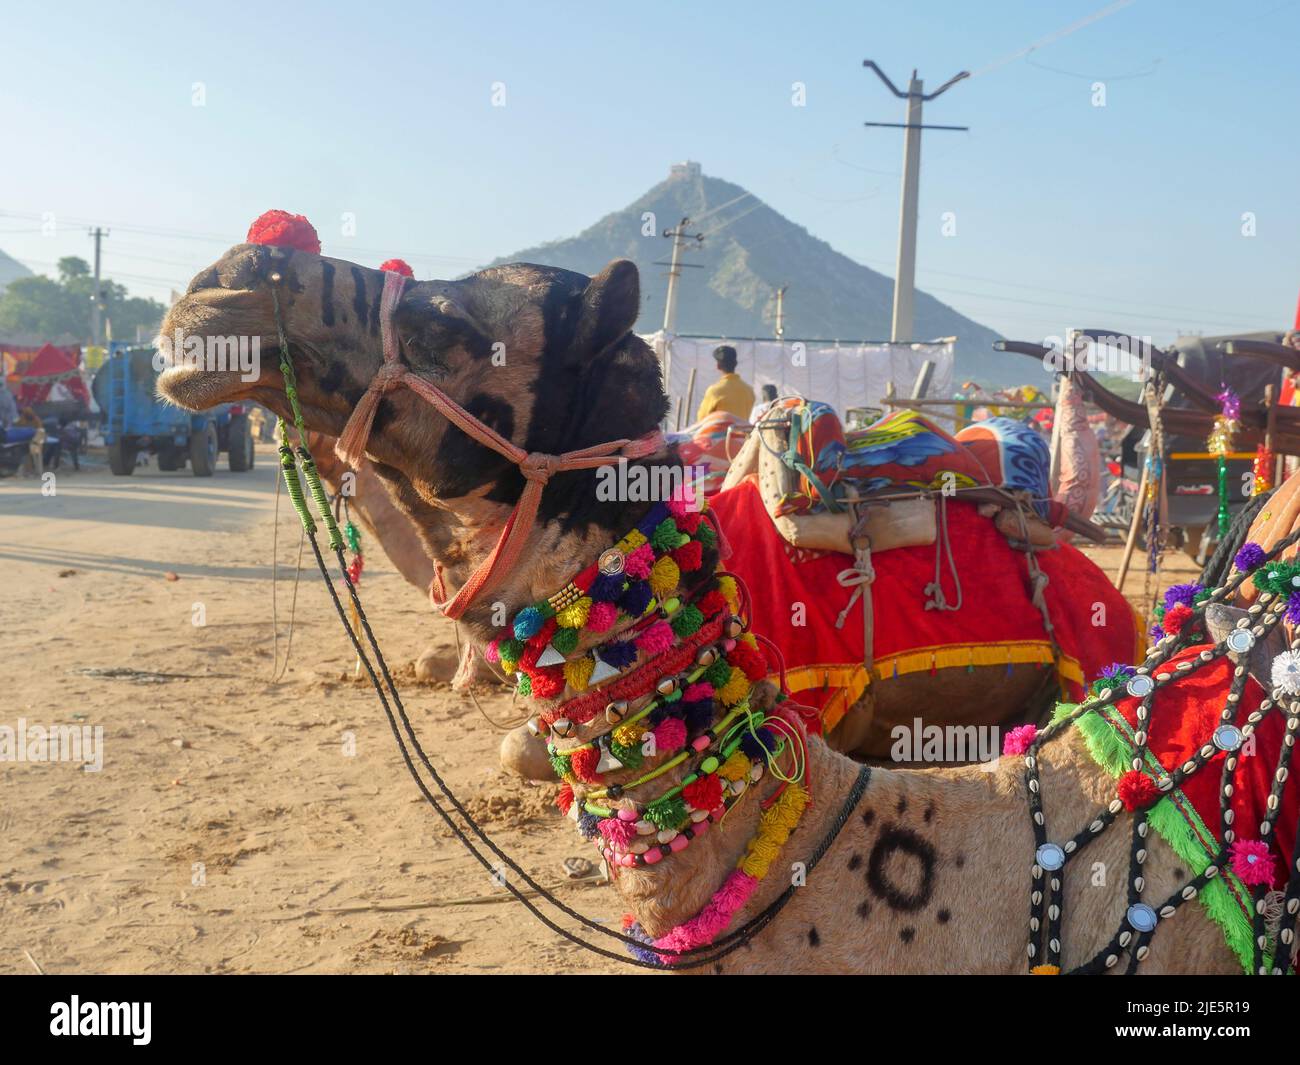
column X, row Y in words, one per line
column 565, row 640
column 705, row 534
column 664, row 538
column 560, row 763
column 666, row 813
column 688, row 621
column 719, row 673
column 631, row 757
column 524, row 684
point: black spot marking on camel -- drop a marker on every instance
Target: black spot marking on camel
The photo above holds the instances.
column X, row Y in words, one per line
column 717, row 967
column 959, row 861
column 814, row 940
column 902, row 805
column 883, row 871
column 907, row 934
column 943, row 916
column 855, row 861
column 868, row 817
column 929, row 813
column 864, row 910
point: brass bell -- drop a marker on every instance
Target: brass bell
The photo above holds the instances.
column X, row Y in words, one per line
column 537, row 727
column 562, row 726
column 707, row 656
column 735, row 625
column 616, row 711
column 666, row 685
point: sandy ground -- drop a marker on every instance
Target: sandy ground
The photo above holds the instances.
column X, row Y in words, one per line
column 241, row 824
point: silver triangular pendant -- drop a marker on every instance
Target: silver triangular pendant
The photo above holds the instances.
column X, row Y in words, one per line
column 550, row 657
column 608, row 763
column 603, row 671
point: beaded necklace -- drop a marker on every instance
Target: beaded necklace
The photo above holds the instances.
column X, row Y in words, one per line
column 686, row 702
column 1246, row 862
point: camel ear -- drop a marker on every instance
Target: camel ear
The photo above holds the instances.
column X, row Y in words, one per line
column 1221, row 619
column 610, row 306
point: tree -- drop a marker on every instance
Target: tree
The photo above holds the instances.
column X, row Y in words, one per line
column 38, row 306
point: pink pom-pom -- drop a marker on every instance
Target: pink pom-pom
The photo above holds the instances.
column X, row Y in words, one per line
column 490, row 652
column 1019, row 739
column 638, row 564
column 618, row 832
column 601, row 616
column 1252, row 861
column 698, row 692
column 658, row 637
column 670, row 734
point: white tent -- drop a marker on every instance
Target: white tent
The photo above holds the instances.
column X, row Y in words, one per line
column 843, row 374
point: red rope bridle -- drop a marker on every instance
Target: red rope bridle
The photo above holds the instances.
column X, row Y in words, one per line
column 537, row 467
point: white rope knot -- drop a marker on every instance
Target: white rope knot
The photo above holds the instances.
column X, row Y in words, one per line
column 858, row 576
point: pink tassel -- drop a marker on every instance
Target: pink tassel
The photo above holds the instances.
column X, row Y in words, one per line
column 638, row 564
column 617, row 832
column 658, row 637
column 710, row 922
column 670, row 734
column 1252, row 861
column 601, row 616
column 1019, row 740
column 698, row 692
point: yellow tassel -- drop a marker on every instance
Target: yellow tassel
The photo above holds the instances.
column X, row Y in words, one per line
column 664, row 577
column 575, row 616
column 736, row 688
column 727, row 586
column 577, row 672
column 735, row 768
column 631, row 541
column 1045, row 970
column 629, row 735
column 749, row 640
column 774, row 828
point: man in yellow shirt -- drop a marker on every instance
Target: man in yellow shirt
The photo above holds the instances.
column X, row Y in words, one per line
column 729, row 392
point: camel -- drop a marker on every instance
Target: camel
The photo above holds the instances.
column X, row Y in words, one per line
column 922, row 871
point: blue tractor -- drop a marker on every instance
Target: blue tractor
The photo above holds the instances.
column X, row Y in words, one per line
column 137, row 422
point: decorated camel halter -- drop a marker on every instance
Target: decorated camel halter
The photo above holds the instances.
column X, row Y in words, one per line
column 536, row 467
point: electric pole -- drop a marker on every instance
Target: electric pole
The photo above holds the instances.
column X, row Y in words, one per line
column 679, row 237
column 97, row 295
column 905, row 274
column 780, row 312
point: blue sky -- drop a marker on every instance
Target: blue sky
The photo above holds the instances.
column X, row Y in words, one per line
column 1127, row 216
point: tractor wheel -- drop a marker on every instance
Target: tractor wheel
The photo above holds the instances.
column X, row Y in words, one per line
column 203, row 450
column 121, row 458
column 240, row 453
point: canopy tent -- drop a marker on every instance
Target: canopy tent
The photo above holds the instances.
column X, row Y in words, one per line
column 843, row 374
column 51, row 366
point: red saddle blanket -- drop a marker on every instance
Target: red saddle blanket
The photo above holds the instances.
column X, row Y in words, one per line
column 1184, row 716
column 796, row 605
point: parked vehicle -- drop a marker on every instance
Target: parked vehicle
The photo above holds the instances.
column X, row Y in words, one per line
column 137, row 422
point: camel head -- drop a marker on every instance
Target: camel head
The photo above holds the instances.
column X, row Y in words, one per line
column 543, row 356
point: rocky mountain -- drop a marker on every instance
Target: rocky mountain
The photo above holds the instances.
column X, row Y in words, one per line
column 11, row 270
column 729, row 281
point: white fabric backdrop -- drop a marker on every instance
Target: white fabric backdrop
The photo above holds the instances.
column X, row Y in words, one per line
column 843, row 375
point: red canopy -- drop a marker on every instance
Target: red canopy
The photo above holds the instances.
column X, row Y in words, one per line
column 51, row 365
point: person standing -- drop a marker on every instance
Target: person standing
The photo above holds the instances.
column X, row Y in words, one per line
column 728, row 392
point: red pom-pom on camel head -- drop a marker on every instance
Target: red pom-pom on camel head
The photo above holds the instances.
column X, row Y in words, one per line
column 280, row 229
column 398, row 266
